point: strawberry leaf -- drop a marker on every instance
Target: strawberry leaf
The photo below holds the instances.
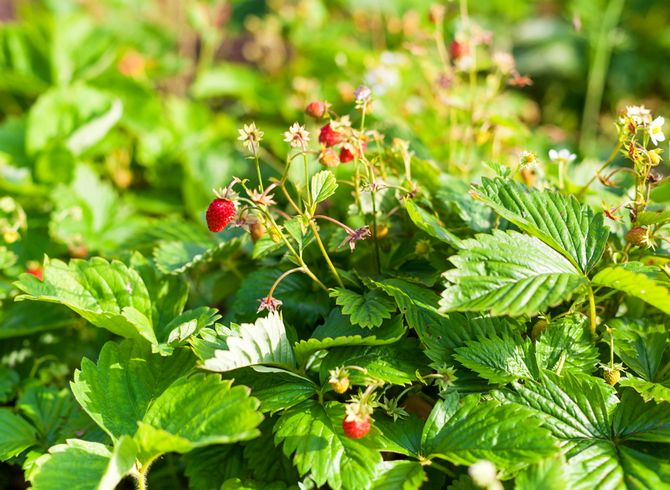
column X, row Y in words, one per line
column 337, row 331
column 323, row 186
column 499, row 359
column 314, row 435
column 558, row 220
column 117, row 391
column 399, row 475
column 368, row 309
column 568, row 341
column 16, row 434
column 636, row 420
column 263, row 342
column 491, row 275
column 108, row 294
column 234, row 417
column 635, row 284
column 82, row 464
column 430, row 224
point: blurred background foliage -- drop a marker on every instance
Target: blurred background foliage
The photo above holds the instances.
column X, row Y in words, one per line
column 118, row 117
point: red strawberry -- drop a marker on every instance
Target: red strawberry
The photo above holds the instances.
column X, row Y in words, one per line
column 356, row 427
column 219, row 214
column 457, row 50
column 329, row 136
column 346, row 155
column 316, row 109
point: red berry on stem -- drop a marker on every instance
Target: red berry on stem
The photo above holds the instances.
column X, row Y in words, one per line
column 329, row 137
column 457, row 50
column 355, row 427
column 219, row 214
column 346, row 155
column 316, row 109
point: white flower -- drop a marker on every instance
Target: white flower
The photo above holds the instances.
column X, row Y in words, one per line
column 483, row 473
column 656, row 130
column 562, row 156
column 638, row 114
column 528, row 159
column 296, row 136
column 250, row 136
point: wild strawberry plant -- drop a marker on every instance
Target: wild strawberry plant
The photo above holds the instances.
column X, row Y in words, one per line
column 355, row 317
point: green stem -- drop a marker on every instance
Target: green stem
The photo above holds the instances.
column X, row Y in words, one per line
column 442, row 468
column 325, row 253
column 598, row 72
column 592, row 313
column 258, row 172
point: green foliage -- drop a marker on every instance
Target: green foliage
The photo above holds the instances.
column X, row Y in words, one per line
column 368, row 309
column 491, row 275
column 492, row 314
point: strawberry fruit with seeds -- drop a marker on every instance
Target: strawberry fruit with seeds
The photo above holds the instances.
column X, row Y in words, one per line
column 219, row 213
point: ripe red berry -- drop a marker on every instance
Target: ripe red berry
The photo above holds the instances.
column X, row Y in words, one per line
column 219, row 214
column 316, row 109
column 457, row 50
column 329, row 137
column 346, row 155
column 355, row 427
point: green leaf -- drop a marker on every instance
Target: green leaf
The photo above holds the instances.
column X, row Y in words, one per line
column 399, row 475
column 441, row 333
column 216, row 413
column 635, row 284
column 396, row 363
column 491, row 275
column 659, row 392
column 499, row 359
column 314, row 433
column 175, row 257
column 16, row 434
column 56, row 415
column 440, row 414
column 84, row 465
column 486, row 430
column 263, row 342
column 95, row 129
column 567, row 340
column 430, row 224
column 276, row 389
column 640, row 344
column 402, row 436
column 76, row 114
column 338, row 331
column 604, row 466
column 265, row 460
column 18, row 319
column 368, row 310
column 208, row 467
column 9, row 379
column 574, row 407
column 324, row 185
column 558, row 220
column 89, row 212
column 636, row 420
column 546, row 474
column 646, row 218
column 117, row 391
column 107, row 294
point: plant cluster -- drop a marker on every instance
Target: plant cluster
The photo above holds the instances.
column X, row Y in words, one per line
column 341, row 311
